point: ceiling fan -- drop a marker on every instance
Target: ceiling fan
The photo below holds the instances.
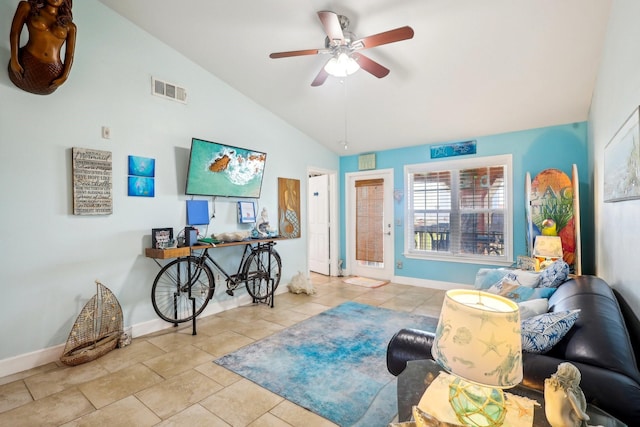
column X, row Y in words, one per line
column 344, row 48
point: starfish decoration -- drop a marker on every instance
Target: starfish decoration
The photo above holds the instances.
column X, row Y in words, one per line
column 492, row 345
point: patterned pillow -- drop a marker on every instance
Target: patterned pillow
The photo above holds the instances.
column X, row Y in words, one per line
column 529, row 279
column 520, row 293
column 541, row 333
column 487, row 277
column 554, row 275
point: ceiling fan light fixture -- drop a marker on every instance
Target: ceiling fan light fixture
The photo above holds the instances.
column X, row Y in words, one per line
column 341, row 65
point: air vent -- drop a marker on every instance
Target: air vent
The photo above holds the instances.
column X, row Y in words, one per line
column 168, row 90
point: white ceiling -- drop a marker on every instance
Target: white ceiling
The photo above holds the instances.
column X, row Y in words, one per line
column 473, row 68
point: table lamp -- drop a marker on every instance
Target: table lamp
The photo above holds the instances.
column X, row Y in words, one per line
column 547, row 249
column 478, row 342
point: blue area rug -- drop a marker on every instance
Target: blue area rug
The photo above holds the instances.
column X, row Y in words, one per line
column 333, row 364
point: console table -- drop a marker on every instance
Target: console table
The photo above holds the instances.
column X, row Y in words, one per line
column 419, row 374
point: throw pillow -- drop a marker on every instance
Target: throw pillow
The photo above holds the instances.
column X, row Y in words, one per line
column 554, row 275
column 541, row 333
column 518, row 293
column 533, row 307
column 529, row 279
column 487, row 277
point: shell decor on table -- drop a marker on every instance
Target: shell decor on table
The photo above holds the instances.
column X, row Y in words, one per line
column 564, row 401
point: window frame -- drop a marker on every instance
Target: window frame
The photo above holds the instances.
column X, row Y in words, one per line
column 454, row 166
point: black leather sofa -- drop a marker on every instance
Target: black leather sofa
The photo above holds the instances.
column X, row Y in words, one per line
column 600, row 345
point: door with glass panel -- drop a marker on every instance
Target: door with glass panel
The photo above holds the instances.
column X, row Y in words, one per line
column 369, row 223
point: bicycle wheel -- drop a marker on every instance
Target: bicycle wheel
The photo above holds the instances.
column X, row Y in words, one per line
column 170, row 291
column 262, row 272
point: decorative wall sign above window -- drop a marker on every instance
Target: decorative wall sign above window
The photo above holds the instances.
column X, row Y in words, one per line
column 453, row 149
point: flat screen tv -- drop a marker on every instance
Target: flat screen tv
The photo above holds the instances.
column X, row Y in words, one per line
column 223, row 170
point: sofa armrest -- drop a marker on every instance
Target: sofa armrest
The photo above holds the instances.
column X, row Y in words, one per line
column 408, row 344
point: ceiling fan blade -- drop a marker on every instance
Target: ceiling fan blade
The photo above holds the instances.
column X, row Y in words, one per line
column 294, row 53
column 391, row 36
column 370, row 66
column 332, row 27
column 320, row 78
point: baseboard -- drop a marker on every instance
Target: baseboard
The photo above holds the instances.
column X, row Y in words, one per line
column 23, row 362
column 426, row 283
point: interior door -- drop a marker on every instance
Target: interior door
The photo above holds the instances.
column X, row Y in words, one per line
column 319, row 252
column 369, row 218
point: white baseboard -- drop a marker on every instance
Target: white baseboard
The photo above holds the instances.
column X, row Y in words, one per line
column 23, row 362
column 426, row 283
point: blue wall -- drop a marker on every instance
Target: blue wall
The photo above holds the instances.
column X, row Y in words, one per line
column 533, row 151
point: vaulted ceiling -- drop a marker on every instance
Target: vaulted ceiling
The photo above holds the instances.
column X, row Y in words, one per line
column 472, row 68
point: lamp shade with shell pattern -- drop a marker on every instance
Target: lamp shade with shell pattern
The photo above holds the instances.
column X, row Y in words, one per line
column 478, row 341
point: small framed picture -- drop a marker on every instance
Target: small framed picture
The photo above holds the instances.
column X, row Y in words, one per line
column 161, row 237
column 246, row 212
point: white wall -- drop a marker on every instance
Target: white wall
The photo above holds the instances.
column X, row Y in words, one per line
column 616, row 95
column 49, row 258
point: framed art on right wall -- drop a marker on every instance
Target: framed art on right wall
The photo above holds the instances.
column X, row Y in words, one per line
column 622, row 162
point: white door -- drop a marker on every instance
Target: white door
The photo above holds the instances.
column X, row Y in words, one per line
column 319, row 224
column 369, row 224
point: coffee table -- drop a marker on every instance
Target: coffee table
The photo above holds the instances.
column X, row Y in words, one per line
column 418, row 374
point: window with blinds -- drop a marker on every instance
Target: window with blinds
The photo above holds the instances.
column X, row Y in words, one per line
column 459, row 209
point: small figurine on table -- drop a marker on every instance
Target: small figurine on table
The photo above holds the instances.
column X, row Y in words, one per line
column 262, row 229
column 564, row 401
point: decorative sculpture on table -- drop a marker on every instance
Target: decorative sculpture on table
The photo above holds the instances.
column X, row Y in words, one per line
column 37, row 67
column 564, row 401
column 263, row 229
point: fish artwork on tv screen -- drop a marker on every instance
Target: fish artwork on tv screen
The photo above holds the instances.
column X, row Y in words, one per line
column 223, row 170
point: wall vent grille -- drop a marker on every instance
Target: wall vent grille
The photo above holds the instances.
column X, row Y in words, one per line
column 168, row 90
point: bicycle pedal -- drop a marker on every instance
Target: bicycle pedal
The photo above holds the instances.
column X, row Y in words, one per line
column 229, row 292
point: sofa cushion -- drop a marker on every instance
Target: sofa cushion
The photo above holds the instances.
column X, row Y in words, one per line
column 540, row 333
column 533, row 307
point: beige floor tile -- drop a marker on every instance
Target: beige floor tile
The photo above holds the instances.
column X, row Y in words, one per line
column 172, row 342
column 269, row 420
column 126, row 412
column 54, row 381
column 178, row 393
column 221, row 375
column 53, row 410
column 258, row 329
column 286, row 317
column 137, row 351
column 400, row 304
column 178, row 361
column 194, row 416
column 241, row 403
column 332, row 300
column 310, row 308
column 298, row 416
column 110, row 388
column 28, row 373
column 224, row 342
column 215, row 325
column 13, row 395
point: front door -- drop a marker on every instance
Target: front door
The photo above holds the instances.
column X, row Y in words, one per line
column 369, row 223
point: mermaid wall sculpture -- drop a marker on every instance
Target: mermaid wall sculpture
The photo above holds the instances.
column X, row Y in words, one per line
column 37, row 67
column 564, row 401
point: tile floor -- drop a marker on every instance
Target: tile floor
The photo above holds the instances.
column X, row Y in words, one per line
column 168, row 378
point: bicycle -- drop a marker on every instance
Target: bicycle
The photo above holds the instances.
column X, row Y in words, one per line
column 183, row 288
